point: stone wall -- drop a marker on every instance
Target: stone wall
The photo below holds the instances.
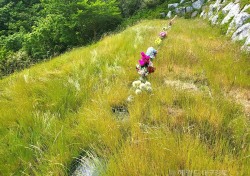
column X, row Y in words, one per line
column 233, row 17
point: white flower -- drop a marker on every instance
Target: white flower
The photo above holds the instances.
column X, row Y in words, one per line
column 130, row 98
column 148, row 84
column 149, row 89
column 142, row 86
column 136, row 84
column 137, row 91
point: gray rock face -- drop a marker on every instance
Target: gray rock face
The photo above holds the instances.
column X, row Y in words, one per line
column 209, row 14
column 194, row 14
column 248, row 41
column 212, row 10
column 213, row 13
column 214, row 19
column 203, row 13
column 174, row 5
column 233, row 12
column 218, row 2
column 212, row 7
column 182, row 1
column 216, row 6
column 227, row 8
column 246, row 7
column 242, row 32
column 198, row 4
column 246, row 46
column 169, row 15
column 180, row 10
column 238, row 21
column 189, row 9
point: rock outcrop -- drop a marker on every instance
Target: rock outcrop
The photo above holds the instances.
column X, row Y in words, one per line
column 238, row 21
column 234, row 18
column 246, row 45
column 174, row 5
column 198, row 4
column 186, row 7
column 232, row 12
column 241, row 33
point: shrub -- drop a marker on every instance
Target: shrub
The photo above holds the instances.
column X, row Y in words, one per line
column 11, row 62
column 13, row 42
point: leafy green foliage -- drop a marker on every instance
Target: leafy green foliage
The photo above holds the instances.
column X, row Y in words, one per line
column 50, row 27
column 47, row 38
column 146, row 13
column 129, row 7
column 243, row 3
column 18, row 15
column 97, row 17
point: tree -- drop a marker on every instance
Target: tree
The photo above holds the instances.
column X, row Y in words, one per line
column 97, row 16
column 129, row 7
column 39, row 29
column 70, row 23
column 18, row 15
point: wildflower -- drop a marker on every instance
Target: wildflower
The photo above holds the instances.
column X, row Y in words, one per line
column 130, row 98
column 136, row 83
column 163, row 34
column 144, row 59
column 149, row 89
column 144, row 65
column 143, row 71
column 147, row 83
column 158, row 41
column 142, row 86
column 151, row 69
column 138, row 91
column 151, row 52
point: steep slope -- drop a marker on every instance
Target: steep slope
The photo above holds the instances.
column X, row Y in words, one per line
column 59, row 110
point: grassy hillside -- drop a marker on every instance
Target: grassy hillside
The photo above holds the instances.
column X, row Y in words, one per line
column 56, row 111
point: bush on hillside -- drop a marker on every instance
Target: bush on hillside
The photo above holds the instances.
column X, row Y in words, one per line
column 12, row 62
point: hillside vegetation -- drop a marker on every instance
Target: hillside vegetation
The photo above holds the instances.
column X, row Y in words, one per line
column 34, row 31
column 56, row 111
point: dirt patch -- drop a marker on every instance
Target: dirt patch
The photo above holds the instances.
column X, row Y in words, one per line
column 241, row 96
column 175, row 112
column 181, row 85
column 121, row 111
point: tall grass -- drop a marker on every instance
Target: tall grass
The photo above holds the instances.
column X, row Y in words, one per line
column 55, row 111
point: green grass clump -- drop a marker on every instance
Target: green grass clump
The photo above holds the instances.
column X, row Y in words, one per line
column 57, row 111
column 243, row 3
